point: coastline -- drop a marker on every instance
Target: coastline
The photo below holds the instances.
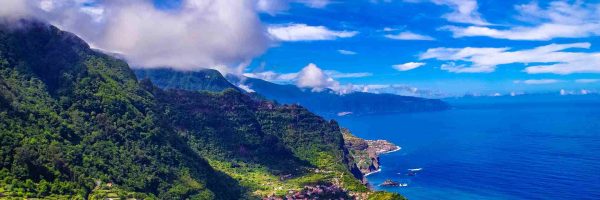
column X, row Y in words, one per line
column 373, row 172
column 398, row 148
column 365, row 153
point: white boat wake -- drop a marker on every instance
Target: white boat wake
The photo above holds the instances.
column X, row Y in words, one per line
column 415, row 169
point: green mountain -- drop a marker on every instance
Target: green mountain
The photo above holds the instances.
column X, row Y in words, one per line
column 74, row 120
column 77, row 124
column 209, row 80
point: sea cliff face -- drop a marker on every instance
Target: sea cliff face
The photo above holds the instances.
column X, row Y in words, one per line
column 365, row 153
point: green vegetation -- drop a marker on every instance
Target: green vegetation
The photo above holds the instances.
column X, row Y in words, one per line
column 77, row 124
column 358, row 150
column 385, row 196
column 71, row 118
column 258, row 142
column 207, row 79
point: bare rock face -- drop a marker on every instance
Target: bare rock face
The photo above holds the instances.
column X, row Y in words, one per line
column 366, row 152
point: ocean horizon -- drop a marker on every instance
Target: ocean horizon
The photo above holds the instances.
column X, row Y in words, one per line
column 491, row 148
column 300, row 99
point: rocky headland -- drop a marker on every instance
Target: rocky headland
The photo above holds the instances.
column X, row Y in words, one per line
column 366, row 152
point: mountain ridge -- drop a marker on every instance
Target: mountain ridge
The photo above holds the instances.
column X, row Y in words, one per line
column 209, row 80
column 325, row 103
column 77, row 124
column 329, row 103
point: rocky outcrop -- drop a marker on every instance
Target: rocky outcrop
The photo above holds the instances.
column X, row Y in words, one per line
column 366, row 152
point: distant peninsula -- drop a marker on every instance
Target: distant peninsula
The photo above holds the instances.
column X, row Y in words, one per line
column 366, row 152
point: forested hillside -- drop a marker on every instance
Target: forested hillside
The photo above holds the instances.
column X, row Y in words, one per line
column 74, row 120
column 208, row 80
column 76, row 123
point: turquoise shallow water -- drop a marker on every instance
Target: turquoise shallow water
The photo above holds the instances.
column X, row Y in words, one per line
column 492, row 148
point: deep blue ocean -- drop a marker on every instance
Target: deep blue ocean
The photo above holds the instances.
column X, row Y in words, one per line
column 540, row 147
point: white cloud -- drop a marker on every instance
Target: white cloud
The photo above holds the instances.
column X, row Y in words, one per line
column 407, row 35
column 537, row 81
column 463, row 11
column 541, row 32
column 293, row 77
column 316, row 79
column 272, row 6
column 96, row 13
column 408, row 66
column 315, row 3
column 277, row 6
column 559, row 20
column 397, row 89
column 245, row 88
column 200, row 34
column 587, row 80
column 346, row 52
column 47, row 5
column 313, row 77
column 585, row 92
column 14, row 8
column 336, row 74
column 303, row 32
column 551, row 58
column 454, row 68
column 389, row 29
column 273, row 76
column 574, row 92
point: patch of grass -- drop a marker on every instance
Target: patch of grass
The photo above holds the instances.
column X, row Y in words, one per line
column 379, row 195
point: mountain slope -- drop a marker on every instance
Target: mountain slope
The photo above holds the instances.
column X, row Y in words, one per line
column 75, row 123
column 235, row 131
column 73, row 120
column 209, row 80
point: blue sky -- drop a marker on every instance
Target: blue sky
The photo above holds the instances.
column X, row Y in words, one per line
column 412, row 47
column 376, row 54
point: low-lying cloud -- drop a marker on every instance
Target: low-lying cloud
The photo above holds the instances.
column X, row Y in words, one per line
column 587, row 80
column 537, row 81
column 316, row 79
column 312, row 77
column 199, row 34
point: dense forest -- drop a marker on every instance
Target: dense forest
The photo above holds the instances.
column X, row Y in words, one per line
column 76, row 123
column 206, row 80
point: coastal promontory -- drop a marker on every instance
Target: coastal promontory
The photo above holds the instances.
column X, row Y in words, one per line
column 366, row 152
